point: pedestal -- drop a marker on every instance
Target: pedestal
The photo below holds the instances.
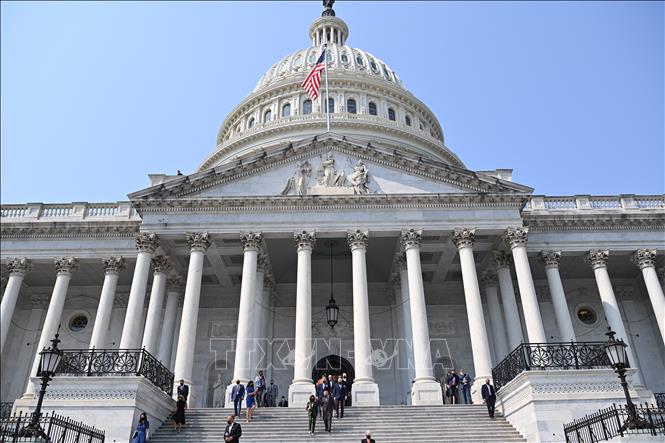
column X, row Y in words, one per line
column 299, row 394
column 365, row 394
column 426, row 393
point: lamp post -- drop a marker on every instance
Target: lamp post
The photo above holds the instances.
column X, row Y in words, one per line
column 332, row 310
column 616, row 351
column 48, row 363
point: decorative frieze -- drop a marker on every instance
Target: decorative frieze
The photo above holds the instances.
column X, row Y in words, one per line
column 19, row 266
column 502, row 259
column 66, row 265
column 597, row 258
column 147, row 242
column 198, row 241
column 411, row 238
column 305, row 239
column 113, row 265
column 550, row 258
column 464, row 237
column 644, row 258
column 516, row 236
column 357, row 239
column 251, row 241
column 161, row 263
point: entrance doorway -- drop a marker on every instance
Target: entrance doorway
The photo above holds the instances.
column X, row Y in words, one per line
column 335, row 365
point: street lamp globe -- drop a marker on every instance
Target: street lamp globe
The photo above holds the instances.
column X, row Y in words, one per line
column 616, row 350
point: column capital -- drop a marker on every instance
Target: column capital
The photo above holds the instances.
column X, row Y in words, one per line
column 550, row 259
column 357, row 239
column 147, row 242
column 516, row 236
column 198, row 241
column 411, row 238
column 597, row 258
column 488, row 279
column 305, row 240
column 66, row 265
column 644, row 258
column 400, row 261
column 251, row 241
column 19, row 266
column 113, row 265
column 501, row 259
column 464, row 237
column 175, row 284
column 161, row 264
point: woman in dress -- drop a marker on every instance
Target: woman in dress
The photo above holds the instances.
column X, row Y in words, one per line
column 179, row 415
column 250, row 393
column 312, row 411
column 141, row 433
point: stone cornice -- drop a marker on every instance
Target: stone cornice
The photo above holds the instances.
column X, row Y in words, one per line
column 633, row 221
column 68, row 230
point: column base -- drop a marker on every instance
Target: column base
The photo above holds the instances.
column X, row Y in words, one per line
column 365, row 394
column 299, row 394
column 426, row 393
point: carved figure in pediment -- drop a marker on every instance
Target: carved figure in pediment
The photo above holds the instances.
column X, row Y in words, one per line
column 327, row 174
column 298, row 183
column 359, row 178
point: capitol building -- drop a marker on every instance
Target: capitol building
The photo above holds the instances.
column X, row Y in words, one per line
column 369, row 248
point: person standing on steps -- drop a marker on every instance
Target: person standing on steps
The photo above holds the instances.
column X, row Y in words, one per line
column 489, row 395
column 283, row 403
column 142, row 429
column 347, row 393
column 250, row 400
column 179, row 414
column 327, row 406
column 465, row 384
column 339, row 396
column 237, row 394
column 183, row 390
column 260, row 386
column 368, row 438
column 312, row 412
column 232, row 431
column 452, row 383
column 271, row 394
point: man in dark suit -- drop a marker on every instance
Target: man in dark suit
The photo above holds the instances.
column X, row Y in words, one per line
column 489, row 395
column 368, row 438
column 233, row 431
column 347, row 393
column 339, row 395
column 183, row 390
column 237, row 394
column 327, row 405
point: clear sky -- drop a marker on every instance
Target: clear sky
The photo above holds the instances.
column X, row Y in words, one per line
column 97, row 95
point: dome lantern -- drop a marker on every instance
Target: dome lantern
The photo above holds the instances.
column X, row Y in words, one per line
column 328, row 29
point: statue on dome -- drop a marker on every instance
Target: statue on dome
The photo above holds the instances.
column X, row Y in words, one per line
column 359, row 178
column 328, row 11
column 297, row 184
column 327, row 175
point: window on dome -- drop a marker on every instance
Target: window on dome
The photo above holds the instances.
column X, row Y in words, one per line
column 360, row 61
column 286, row 110
column 345, row 58
column 331, row 105
column 407, row 120
column 329, row 56
column 386, row 74
column 372, row 65
column 251, row 123
column 312, row 57
column 391, row 114
column 351, row 106
column 307, row 107
column 267, row 116
column 372, row 108
column 421, row 126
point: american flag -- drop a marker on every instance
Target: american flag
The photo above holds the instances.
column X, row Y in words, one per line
column 313, row 80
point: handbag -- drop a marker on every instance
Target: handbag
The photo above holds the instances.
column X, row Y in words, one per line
column 136, row 434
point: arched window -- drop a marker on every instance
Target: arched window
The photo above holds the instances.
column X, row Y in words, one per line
column 267, row 116
column 251, row 123
column 351, row 106
column 372, row 108
column 407, row 120
column 391, row 114
column 307, row 107
column 286, row 110
column 331, row 105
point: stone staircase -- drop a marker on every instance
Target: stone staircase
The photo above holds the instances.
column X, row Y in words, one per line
column 388, row 424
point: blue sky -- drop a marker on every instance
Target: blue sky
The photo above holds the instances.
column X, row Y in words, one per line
column 97, row 95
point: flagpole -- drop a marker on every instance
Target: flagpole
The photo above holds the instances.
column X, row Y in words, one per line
column 325, row 48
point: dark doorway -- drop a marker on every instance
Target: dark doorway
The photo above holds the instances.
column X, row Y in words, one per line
column 333, row 364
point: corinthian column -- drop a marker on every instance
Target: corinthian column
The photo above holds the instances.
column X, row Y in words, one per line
column 480, row 348
column 425, row 390
column 198, row 242
column 64, row 267
column 161, row 266
column 517, row 238
column 551, row 259
column 301, row 386
column 496, row 318
column 173, row 290
column 597, row 259
column 407, row 334
column 146, row 243
column 112, row 268
column 365, row 391
column 257, row 323
column 645, row 259
column 510, row 311
column 18, row 268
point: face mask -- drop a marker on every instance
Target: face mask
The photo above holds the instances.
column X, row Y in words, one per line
column 229, row 422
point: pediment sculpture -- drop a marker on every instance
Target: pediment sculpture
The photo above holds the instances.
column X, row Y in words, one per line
column 329, row 179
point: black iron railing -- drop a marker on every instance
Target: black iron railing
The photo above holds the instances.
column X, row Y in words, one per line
column 534, row 356
column 58, row 429
column 608, row 423
column 660, row 399
column 100, row 362
column 6, row 408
